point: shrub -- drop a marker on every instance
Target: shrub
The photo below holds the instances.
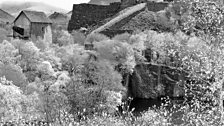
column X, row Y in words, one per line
column 96, row 37
column 86, row 92
column 8, row 53
column 62, row 38
column 78, row 37
column 13, row 73
column 11, row 98
column 65, row 39
column 29, row 56
column 41, row 44
column 122, row 37
column 117, row 53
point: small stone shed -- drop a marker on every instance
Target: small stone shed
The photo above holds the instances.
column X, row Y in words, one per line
column 32, row 25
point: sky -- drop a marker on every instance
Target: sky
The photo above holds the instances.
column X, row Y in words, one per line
column 64, row 4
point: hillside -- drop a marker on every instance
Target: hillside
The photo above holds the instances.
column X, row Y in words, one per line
column 15, row 8
column 85, row 15
column 103, row 2
column 137, row 18
column 122, row 15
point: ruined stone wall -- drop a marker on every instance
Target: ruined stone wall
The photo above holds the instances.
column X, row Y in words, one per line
column 153, row 81
column 84, row 15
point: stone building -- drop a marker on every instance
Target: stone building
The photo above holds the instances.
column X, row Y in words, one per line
column 32, row 25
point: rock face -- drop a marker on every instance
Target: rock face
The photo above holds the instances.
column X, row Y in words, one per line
column 150, row 81
column 93, row 16
column 85, row 15
column 150, row 16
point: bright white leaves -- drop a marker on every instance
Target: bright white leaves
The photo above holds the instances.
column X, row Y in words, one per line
column 116, row 53
column 11, row 98
column 8, row 53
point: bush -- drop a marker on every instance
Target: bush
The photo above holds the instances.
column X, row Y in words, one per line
column 78, row 37
column 96, row 37
column 87, row 91
column 62, row 38
column 125, row 37
column 8, row 53
column 13, row 73
column 11, row 99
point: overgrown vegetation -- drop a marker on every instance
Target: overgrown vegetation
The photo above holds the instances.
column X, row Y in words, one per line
column 63, row 84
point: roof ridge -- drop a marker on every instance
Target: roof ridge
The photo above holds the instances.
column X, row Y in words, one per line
column 35, row 16
column 6, row 12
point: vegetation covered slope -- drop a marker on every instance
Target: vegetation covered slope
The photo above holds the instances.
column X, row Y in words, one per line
column 61, row 83
column 122, row 15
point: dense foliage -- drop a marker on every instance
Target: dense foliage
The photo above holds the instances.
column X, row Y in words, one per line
column 61, row 83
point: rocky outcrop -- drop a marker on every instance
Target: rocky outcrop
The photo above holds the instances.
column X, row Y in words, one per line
column 85, row 15
column 148, row 15
column 122, row 17
column 150, row 81
column 110, row 17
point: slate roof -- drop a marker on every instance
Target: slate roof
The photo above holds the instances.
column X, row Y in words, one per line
column 35, row 16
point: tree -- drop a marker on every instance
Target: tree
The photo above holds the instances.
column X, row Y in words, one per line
column 8, row 53
column 11, row 98
column 206, row 19
column 117, row 53
column 13, row 73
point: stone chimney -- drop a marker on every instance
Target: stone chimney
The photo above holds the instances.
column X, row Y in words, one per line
column 127, row 3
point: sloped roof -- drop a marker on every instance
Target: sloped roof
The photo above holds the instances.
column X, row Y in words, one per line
column 6, row 17
column 35, row 16
column 56, row 15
